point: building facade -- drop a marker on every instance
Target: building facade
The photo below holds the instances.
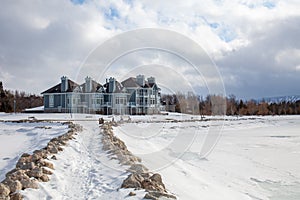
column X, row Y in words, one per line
column 131, row 96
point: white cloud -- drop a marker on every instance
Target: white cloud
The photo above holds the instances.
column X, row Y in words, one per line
column 288, row 58
column 42, row 40
column 40, row 23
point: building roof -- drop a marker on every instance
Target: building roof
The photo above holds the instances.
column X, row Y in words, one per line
column 147, row 85
column 95, row 86
column 130, row 82
column 119, row 87
column 57, row 88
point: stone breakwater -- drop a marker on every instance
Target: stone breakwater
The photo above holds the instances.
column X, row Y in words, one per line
column 32, row 168
column 140, row 177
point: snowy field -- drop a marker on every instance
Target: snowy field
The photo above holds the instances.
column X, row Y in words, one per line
column 19, row 138
column 250, row 157
column 254, row 158
column 82, row 170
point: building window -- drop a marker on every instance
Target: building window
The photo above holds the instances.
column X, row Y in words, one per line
column 98, row 101
column 51, row 101
column 152, row 101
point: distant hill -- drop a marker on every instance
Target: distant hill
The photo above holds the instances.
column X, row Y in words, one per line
column 291, row 99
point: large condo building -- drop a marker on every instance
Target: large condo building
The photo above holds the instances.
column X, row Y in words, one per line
column 134, row 95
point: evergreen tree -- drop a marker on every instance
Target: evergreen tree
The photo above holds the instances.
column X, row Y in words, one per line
column 23, row 101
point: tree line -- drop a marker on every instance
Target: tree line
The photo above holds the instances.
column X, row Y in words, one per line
column 18, row 101
column 218, row 105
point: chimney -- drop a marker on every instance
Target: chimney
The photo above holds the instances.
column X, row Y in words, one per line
column 88, row 84
column 111, row 85
column 64, row 84
column 140, row 79
column 151, row 80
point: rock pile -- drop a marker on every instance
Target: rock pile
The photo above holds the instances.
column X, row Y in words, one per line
column 33, row 168
column 144, row 181
column 115, row 146
column 139, row 177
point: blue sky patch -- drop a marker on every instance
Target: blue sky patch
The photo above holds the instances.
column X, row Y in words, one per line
column 226, row 34
column 269, row 4
column 214, row 25
column 219, row 2
column 77, row 2
column 112, row 13
column 129, row 2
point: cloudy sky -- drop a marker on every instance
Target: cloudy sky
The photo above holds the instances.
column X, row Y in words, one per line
column 255, row 44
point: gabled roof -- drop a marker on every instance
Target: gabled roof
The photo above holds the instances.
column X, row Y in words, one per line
column 119, row 87
column 152, row 84
column 95, row 86
column 130, row 82
column 57, row 88
column 146, row 85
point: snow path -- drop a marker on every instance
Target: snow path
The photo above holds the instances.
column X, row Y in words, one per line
column 84, row 171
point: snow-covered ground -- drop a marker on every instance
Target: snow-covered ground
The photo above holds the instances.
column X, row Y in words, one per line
column 254, row 158
column 18, row 138
column 82, row 170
